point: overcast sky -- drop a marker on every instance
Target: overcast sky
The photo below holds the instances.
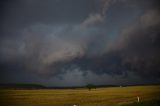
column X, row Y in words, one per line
column 76, row 42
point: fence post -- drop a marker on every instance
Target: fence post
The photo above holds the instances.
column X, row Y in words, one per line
column 138, row 98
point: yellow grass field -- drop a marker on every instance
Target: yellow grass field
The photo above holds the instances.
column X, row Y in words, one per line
column 113, row 96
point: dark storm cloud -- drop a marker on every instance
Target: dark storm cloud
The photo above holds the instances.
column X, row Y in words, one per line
column 66, row 38
column 140, row 45
column 51, row 11
column 136, row 50
column 17, row 15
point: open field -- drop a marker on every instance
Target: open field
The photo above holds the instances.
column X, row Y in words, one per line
column 80, row 97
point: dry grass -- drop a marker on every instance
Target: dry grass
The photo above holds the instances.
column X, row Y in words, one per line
column 81, row 97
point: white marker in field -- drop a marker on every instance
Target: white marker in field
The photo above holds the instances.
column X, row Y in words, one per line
column 74, row 105
column 138, row 98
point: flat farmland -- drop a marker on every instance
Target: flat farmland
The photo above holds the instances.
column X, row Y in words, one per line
column 112, row 96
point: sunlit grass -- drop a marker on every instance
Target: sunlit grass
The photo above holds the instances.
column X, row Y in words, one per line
column 80, row 97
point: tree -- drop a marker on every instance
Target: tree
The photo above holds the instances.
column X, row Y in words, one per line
column 90, row 86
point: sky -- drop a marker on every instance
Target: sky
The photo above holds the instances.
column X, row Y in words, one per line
column 77, row 42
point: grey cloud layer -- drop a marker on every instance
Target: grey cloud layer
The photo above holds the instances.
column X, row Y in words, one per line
column 57, row 39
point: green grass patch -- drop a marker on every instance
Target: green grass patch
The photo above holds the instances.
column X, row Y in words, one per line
column 145, row 103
